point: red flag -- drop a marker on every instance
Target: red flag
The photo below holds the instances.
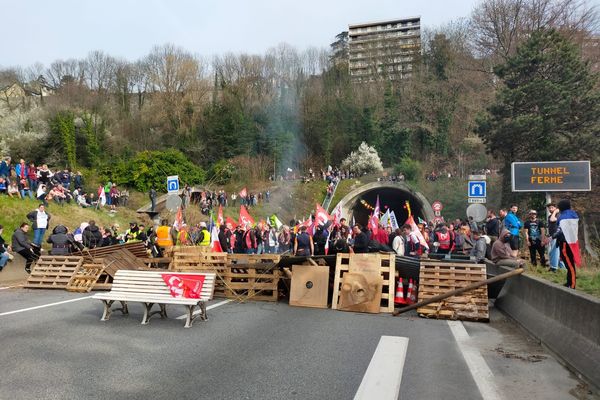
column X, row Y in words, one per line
column 377, row 209
column 215, row 245
column 374, row 224
column 220, row 219
column 230, row 221
column 245, row 217
column 178, row 223
column 187, row 286
column 321, row 216
column 243, row 193
column 327, row 243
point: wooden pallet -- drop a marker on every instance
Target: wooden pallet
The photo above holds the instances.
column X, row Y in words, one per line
column 122, row 259
column 138, row 249
column 85, row 277
column 183, row 261
column 437, row 277
column 253, row 258
column 252, row 281
column 384, row 263
column 53, row 272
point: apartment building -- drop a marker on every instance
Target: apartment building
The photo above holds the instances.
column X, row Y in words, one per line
column 384, row 49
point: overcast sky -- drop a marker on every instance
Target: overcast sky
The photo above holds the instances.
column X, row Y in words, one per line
column 47, row 30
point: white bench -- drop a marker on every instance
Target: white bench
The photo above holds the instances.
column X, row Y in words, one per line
column 149, row 288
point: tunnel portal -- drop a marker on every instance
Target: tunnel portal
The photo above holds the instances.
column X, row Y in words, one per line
column 392, row 195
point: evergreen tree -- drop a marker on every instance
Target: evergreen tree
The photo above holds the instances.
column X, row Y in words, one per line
column 548, row 107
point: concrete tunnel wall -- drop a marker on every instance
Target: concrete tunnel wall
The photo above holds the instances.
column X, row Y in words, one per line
column 392, row 195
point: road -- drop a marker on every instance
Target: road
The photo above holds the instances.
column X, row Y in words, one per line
column 55, row 347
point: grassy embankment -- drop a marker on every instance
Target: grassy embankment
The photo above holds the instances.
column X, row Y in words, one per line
column 588, row 276
column 14, row 212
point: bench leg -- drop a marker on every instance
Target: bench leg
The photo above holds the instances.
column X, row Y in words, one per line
column 107, row 310
column 124, row 309
column 163, row 311
column 203, row 315
column 190, row 316
column 147, row 314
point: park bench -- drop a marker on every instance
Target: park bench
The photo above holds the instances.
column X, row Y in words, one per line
column 149, row 288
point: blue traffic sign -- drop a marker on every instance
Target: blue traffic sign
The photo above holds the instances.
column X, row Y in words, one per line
column 173, row 184
column 477, row 189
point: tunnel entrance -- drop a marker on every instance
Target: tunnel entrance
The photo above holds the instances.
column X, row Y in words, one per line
column 392, row 196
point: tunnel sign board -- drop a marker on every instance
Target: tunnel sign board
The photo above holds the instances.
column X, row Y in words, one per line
column 173, row 184
column 477, row 189
column 551, row 176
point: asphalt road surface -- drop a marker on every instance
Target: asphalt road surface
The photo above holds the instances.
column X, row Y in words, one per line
column 53, row 346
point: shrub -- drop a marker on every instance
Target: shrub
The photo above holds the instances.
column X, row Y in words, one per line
column 411, row 169
column 150, row 169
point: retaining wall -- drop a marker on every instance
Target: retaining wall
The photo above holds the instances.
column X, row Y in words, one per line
column 565, row 321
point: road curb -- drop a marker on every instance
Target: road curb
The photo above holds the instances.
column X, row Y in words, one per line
column 565, row 321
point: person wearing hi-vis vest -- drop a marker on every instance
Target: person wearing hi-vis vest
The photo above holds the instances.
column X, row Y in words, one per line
column 163, row 235
column 132, row 233
column 204, row 236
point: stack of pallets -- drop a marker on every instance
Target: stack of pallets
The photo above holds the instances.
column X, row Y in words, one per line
column 438, row 277
column 252, row 277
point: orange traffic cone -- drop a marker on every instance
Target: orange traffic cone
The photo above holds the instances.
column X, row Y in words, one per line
column 399, row 299
column 410, row 296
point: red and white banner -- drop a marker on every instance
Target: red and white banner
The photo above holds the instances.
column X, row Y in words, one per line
column 215, row 245
column 245, row 217
column 321, row 216
column 178, row 223
column 186, row 286
column 243, row 193
column 415, row 229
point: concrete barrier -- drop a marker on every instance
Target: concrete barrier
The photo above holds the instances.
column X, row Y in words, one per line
column 565, row 321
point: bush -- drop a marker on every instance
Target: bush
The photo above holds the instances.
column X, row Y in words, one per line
column 411, row 169
column 149, row 169
column 363, row 160
column 222, row 172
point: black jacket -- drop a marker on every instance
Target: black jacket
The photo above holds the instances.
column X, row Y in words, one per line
column 361, row 243
column 92, row 236
column 224, row 235
column 62, row 242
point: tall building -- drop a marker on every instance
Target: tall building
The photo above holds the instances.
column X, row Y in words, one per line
column 384, row 49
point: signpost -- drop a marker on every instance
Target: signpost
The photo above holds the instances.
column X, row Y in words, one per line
column 551, row 176
column 437, row 208
column 173, row 184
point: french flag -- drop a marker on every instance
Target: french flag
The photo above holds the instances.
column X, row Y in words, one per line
column 568, row 223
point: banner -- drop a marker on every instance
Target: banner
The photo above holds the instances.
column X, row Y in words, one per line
column 394, row 221
column 101, row 196
column 245, row 217
column 321, row 216
column 243, row 193
column 230, row 221
column 220, row 220
column 385, row 219
column 336, row 215
column 186, row 286
column 416, row 231
column 178, row 223
column 274, row 221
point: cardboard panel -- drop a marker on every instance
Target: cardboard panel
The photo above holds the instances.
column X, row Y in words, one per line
column 310, row 286
column 361, row 292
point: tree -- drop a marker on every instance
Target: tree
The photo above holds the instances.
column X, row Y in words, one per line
column 364, row 160
column 548, row 107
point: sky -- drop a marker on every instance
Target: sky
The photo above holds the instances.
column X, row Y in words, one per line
column 47, row 30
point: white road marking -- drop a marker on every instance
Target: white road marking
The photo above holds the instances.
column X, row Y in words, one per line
column 10, row 287
column 481, row 372
column 384, row 373
column 43, row 306
column 219, row 304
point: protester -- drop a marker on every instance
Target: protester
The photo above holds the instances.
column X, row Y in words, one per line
column 502, row 253
column 412, row 246
column 553, row 250
column 92, row 237
column 224, row 238
column 536, row 237
column 479, row 247
column 204, row 236
column 567, row 240
column 40, row 220
column 22, row 245
column 398, row 243
column 62, row 242
column 513, row 224
column 303, row 244
column 4, row 250
column 443, row 238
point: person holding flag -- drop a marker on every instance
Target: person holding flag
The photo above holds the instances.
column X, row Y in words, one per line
column 567, row 240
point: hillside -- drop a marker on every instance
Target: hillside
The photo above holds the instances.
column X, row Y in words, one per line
column 14, row 213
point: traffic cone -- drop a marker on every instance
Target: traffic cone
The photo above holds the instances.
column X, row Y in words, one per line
column 399, row 299
column 410, row 296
